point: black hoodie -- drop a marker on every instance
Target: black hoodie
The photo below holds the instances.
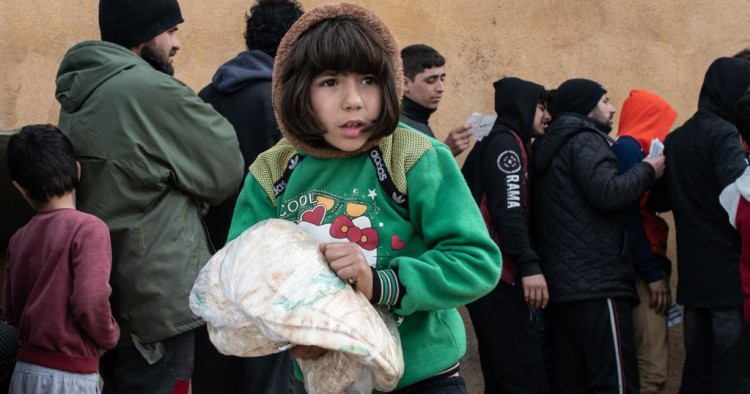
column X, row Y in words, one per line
column 497, row 171
column 579, row 196
column 702, row 157
column 241, row 92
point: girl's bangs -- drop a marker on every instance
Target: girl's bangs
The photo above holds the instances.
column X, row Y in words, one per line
column 344, row 45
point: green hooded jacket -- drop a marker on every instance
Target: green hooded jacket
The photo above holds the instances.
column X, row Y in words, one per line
column 152, row 153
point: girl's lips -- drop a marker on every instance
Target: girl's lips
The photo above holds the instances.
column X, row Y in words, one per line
column 352, row 129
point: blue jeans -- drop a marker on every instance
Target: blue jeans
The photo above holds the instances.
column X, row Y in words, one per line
column 124, row 370
column 717, row 351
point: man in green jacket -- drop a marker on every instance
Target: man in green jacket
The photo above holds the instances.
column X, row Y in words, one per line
column 152, row 155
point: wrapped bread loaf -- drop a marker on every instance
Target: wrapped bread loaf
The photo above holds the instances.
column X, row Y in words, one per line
column 271, row 287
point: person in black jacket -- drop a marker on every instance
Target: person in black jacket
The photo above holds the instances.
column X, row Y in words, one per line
column 498, row 172
column 704, row 155
column 241, row 91
column 579, row 195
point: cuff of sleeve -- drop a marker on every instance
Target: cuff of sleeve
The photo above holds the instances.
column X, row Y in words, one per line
column 665, row 264
column 653, row 276
column 529, row 268
column 386, row 288
column 651, row 171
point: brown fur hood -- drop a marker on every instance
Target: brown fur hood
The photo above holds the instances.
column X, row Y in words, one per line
column 309, row 19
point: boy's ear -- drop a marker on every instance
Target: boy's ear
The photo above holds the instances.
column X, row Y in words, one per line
column 24, row 193
column 78, row 170
column 407, row 84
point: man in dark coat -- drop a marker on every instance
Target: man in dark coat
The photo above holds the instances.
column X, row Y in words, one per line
column 579, row 196
column 241, row 91
column 498, row 171
column 704, row 155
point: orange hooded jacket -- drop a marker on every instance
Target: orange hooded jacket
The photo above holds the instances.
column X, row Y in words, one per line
column 646, row 116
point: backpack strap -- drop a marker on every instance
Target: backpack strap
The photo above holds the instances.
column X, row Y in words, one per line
column 376, row 158
column 384, row 177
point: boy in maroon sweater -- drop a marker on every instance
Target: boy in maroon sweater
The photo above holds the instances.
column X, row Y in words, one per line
column 57, row 276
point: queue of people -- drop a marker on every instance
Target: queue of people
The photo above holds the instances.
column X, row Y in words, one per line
column 142, row 180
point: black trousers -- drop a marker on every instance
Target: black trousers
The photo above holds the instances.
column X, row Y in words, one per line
column 217, row 373
column 509, row 344
column 717, row 351
column 594, row 346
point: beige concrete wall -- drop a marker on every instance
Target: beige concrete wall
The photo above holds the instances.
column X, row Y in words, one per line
column 663, row 45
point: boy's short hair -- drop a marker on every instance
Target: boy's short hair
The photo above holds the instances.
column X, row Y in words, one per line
column 742, row 116
column 267, row 23
column 419, row 57
column 42, row 160
column 340, row 45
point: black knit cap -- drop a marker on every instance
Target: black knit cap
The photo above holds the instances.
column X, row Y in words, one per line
column 577, row 95
column 132, row 22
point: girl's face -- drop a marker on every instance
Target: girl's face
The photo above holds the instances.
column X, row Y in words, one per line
column 345, row 104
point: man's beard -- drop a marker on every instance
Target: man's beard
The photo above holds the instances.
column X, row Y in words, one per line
column 152, row 57
column 602, row 119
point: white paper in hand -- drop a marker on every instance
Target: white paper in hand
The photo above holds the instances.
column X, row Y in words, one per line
column 481, row 125
column 657, row 148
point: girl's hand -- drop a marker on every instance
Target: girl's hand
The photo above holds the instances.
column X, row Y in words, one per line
column 307, row 352
column 349, row 264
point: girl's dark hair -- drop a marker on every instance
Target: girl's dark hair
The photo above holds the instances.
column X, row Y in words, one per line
column 338, row 45
column 42, row 160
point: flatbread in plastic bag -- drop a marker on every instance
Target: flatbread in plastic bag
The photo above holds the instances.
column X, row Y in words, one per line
column 271, row 287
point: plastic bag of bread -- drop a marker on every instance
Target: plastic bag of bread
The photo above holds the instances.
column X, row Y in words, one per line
column 271, row 287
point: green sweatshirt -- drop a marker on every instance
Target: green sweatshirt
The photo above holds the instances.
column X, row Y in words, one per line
column 435, row 245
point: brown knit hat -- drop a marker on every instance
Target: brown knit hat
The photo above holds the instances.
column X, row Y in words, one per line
column 307, row 21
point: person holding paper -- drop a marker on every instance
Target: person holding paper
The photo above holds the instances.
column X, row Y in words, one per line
column 424, row 74
column 498, row 172
column 579, row 196
column 645, row 120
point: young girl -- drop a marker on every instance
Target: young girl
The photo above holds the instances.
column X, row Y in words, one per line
column 394, row 215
